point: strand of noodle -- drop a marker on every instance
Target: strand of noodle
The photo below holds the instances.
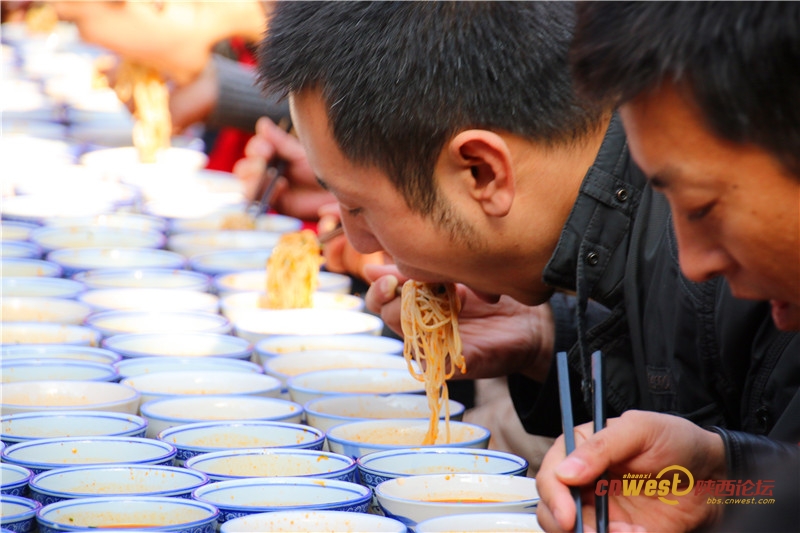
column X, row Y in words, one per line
column 293, row 272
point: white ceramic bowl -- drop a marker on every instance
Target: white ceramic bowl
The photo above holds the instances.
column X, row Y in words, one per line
column 283, row 344
column 198, row 242
column 256, row 280
column 287, row 366
column 273, row 462
column 205, row 437
column 203, row 382
column 110, row 323
column 365, row 436
column 138, row 366
column 202, row 183
column 163, row 414
column 18, row 513
column 15, row 479
column 268, row 322
column 40, row 287
column 123, row 163
column 187, row 345
column 150, row 299
column 228, row 261
column 31, row 396
column 76, row 260
column 481, row 523
column 46, row 454
column 239, row 305
column 114, row 480
column 416, row 498
column 311, row 385
column 47, row 333
column 20, row 249
column 22, row 427
column 16, row 231
column 21, row 267
column 242, row 497
column 112, row 220
column 158, row 513
column 55, row 369
column 43, row 309
column 328, row 411
column 36, row 208
column 59, row 351
column 183, row 206
column 56, row 238
column 270, row 222
column 305, row 521
column 144, row 278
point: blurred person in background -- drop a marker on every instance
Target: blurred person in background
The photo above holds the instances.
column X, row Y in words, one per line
column 708, row 95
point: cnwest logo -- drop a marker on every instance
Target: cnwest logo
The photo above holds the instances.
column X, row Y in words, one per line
column 642, row 484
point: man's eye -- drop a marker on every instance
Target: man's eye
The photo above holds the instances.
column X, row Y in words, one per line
column 354, row 211
column 700, row 213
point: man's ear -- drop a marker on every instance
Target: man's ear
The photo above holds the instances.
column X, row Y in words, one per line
column 484, row 158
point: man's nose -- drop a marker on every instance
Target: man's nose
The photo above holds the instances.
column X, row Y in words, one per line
column 700, row 256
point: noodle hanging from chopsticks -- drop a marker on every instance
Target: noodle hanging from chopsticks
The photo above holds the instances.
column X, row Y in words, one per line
column 293, row 271
column 429, row 320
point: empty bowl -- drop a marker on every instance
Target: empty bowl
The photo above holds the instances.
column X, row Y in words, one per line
column 76, row 260
column 55, row 238
column 191, row 344
column 198, row 242
column 241, row 497
column 16, row 231
column 265, row 323
column 19, row 370
column 59, row 351
column 150, row 365
column 287, row 366
column 159, row 513
column 228, row 261
column 123, row 163
column 365, row 436
column 238, row 305
column 163, row 414
column 40, row 287
column 140, row 299
column 21, row 267
column 328, row 411
column 110, row 323
column 256, row 280
column 18, row 513
column 114, row 480
column 283, row 344
column 311, row 385
column 30, row 396
column 416, row 498
column 22, row 427
column 36, row 208
column 120, row 220
column 206, row 437
column 14, row 479
column 160, row 385
column 481, row 523
column 46, row 454
column 236, row 219
column 43, row 309
column 144, row 278
column 200, row 183
column 48, row 333
column 273, row 462
column 304, row 521
column 20, row 249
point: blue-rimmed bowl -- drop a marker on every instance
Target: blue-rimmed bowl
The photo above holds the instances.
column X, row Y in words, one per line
column 56, row 238
column 17, row 267
column 227, row 218
column 123, row 163
column 43, row 309
column 312, row 385
column 59, row 351
column 144, row 278
column 198, row 242
column 114, row 480
column 76, row 260
column 46, row 454
column 163, row 414
column 480, row 523
column 40, row 287
column 288, row 366
column 328, row 411
column 189, row 345
column 16, row 231
column 274, row 462
column 112, row 220
column 256, row 280
column 48, row 333
column 283, row 344
column 15, row 479
column 149, row 299
column 206, row 437
column 160, row 385
column 23, row 427
column 356, row 439
column 228, row 261
column 20, row 249
column 29, row 396
column 264, row 323
column 158, row 513
column 150, row 365
column 416, row 498
column 52, row 369
column 242, row 497
column 305, row 521
column 110, row 323
column 36, row 208
column 18, row 514
column 240, row 304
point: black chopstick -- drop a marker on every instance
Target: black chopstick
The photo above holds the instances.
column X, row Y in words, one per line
column 272, row 173
column 599, row 419
column 568, row 427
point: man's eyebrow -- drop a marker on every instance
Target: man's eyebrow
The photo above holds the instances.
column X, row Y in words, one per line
column 322, row 183
column 663, row 179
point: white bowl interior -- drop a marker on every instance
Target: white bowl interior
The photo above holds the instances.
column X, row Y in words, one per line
column 286, row 492
column 47, row 333
column 256, row 280
column 54, row 238
column 202, row 382
column 49, row 425
column 146, row 278
column 442, row 460
column 311, row 385
column 239, row 304
column 481, row 523
column 43, row 309
column 20, row 267
column 228, row 261
column 118, row 322
column 263, row 323
column 276, row 462
column 40, row 287
column 143, row 299
column 55, row 369
column 67, row 395
column 75, row 260
column 212, row 436
column 304, row 521
column 191, row 344
column 194, row 243
column 290, row 365
column 59, row 351
column 118, row 479
column 283, row 344
column 150, row 365
column 59, row 452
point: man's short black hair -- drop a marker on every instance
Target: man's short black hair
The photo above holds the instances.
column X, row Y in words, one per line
column 739, row 62
column 401, row 78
